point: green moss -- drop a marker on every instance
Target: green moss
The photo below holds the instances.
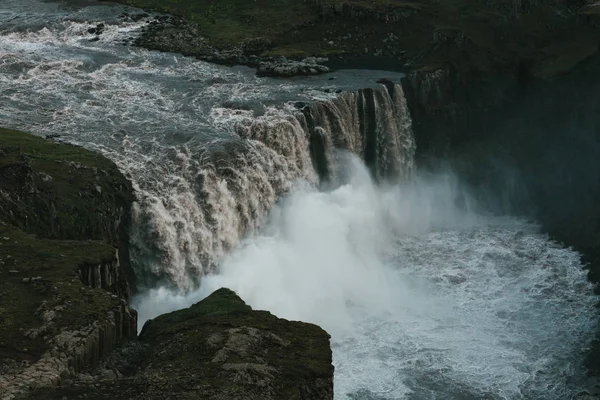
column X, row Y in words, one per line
column 61, row 207
column 220, row 349
column 44, row 151
column 478, row 36
column 23, row 256
column 297, row 353
column 227, row 22
column 60, row 191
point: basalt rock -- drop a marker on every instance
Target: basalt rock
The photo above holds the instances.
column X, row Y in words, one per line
column 522, row 146
column 64, row 214
column 218, row 348
column 64, row 192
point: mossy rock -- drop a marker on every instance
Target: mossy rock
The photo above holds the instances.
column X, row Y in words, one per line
column 60, row 191
column 40, row 276
column 238, row 352
column 470, row 36
column 221, row 349
column 63, row 212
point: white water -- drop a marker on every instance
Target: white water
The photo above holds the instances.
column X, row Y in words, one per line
column 205, row 171
column 423, row 300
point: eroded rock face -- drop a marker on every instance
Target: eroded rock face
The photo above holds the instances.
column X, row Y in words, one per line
column 64, row 192
column 522, row 146
column 247, row 354
column 64, row 214
column 220, row 349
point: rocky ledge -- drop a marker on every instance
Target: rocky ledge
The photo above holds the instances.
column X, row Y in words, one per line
column 284, row 68
column 217, row 349
column 544, row 39
column 63, row 262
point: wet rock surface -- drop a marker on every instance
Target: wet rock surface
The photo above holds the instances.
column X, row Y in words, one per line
column 66, row 328
column 524, row 146
column 284, row 68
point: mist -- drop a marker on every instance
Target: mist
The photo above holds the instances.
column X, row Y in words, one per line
column 421, row 292
column 322, row 251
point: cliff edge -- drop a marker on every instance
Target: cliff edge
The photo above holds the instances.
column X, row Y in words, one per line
column 63, row 261
column 543, row 39
column 217, row 349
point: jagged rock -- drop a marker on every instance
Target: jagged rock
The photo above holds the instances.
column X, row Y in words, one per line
column 109, row 375
column 218, row 349
column 55, row 194
column 97, row 30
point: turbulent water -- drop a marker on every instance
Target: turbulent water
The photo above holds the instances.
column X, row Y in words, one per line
column 424, row 297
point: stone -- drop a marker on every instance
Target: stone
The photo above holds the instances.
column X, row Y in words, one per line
column 109, row 375
column 219, row 348
column 72, row 329
column 284, row 68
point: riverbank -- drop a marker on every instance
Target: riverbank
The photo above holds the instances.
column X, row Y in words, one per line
column 471, row 37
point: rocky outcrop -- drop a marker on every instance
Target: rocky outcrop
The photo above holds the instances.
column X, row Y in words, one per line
column 63, row 284
column 52, row 325
column 528, row 141
column 219, row 348
column 449, row 109
column 65, row 323
column 105, row 275
column 59, row 191
column 283, row 68
column 172, row 34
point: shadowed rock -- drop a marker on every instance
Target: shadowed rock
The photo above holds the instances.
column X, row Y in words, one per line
column 220, row 348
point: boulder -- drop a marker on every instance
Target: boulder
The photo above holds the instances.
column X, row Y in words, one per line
column 284, row 68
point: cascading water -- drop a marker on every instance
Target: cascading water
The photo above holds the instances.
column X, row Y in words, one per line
column 424, row 298
column 372, row 123
column 207, row 152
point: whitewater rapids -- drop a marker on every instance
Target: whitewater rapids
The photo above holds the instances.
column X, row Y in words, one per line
column 423, row 299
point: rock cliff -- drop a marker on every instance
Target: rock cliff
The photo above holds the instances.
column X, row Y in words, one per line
column 63, row 261
column 522, row 145
column 219, row 348
column 544, row 39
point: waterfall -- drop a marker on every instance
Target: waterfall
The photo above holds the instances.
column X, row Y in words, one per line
column 218, row 196
column 372, row 123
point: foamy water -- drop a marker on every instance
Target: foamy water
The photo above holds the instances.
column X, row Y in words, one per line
column 423, row 299
column 181, row 130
